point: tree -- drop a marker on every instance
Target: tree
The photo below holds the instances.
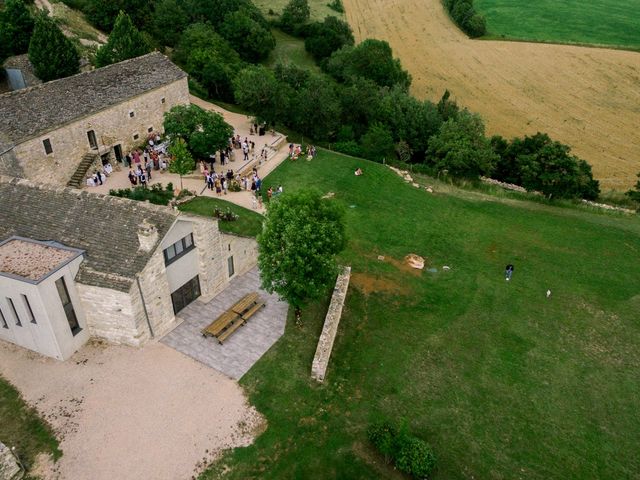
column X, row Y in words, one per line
column 209, row 59
column 103, row 13
column 316, row 109
column 125, row 42
column 634, row 193
column 295, row 15
column 372, row 59
column 182, row 162
column 203, row 131
column 168, row 22
column 302, row 233
column 377, row 143
column 324, row 38
column 461, row 148
column 248, row 37
column 16, row 27
column 51, row 53
column 257, row 90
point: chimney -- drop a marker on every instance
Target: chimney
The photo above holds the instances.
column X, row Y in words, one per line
column 147, row 236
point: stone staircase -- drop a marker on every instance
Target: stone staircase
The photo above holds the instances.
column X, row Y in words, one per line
column 78, row 178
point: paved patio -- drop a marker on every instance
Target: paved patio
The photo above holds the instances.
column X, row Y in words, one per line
column 242, row 349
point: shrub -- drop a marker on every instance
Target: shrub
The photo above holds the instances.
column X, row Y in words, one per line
column 350, row 147
column 336, row 5
column 324, row 38
column 226, row 215
column 409, row 454
column 156, row 194
column 465, row 16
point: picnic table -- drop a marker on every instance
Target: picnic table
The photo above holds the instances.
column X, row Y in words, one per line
column 227, row 323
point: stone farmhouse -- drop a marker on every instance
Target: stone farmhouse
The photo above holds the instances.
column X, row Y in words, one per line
column 57, row 131
column 75, row 265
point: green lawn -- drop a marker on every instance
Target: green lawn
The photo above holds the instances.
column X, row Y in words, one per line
column 248, row 224
column 598, row 22
column 290, row 50
column 20, row 427
column 503, row 382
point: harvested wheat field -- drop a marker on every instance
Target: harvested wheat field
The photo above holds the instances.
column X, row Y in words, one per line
column 588, row 98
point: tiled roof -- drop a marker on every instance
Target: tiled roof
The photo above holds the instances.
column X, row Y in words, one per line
column 105, row 227
column 33, row 111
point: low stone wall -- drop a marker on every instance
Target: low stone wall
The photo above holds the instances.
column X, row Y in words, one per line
column 9, row 468
column 330, row 328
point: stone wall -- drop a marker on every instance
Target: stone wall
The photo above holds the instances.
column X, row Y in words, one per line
column 111, row 315
column 9, row 468
column 330, row 328
column 211, row 261
column 112, row 126
column 243, row 249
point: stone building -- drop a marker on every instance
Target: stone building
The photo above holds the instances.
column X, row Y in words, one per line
column 75, row 265
column 57, row 131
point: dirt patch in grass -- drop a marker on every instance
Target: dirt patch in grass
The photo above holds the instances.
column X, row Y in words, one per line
column 368, row 284
column 584, row 97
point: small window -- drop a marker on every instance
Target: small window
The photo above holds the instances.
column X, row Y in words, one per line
column 3, row 320
column 47, row 146
column 27, row 307
column 229, row 247
column 231, row 266
column 136, row 136
column 162, row 100
column 150, row 129
column 188, row 241
column 15, row 312
column 69, row 311
column 171, row 252
column 178, row 249
column 132, row 114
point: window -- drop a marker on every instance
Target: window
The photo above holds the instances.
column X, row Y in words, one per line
column 48, row 149
column 15, row 312
column 132, row 114
column 150, row 129
column 3, row 320
column 178, row 249
column 93, row 142
column 231, row 267
column 229, row 247
column 68, row 306
column 27, row 307
column 136, row 136
column 162, row 100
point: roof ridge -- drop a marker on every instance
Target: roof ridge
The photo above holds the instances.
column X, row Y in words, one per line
column 32, row 88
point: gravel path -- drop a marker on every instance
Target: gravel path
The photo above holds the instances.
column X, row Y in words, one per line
column 125, row 413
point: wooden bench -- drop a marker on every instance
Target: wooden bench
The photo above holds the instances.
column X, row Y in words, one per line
column 219, row 324
column 247, row 315
column 245, row 303
column 232, row 328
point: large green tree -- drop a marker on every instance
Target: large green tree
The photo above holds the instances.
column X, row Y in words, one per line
column 461, row 148
column 204, row 132
column 103, row 13
column 51, row 53
column 248, row 37
column 125, row 41
column 301, row 236
column 168, row 21
column 372, row 59
column 316, row 110
column 257, row 89
column 324, row 38
column 16, row 27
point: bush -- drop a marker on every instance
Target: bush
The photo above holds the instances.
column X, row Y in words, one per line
column 324, row 38
column 409, row 454
column 336, row 5
column 156, row 194
column 350, row 147
column 465, row 16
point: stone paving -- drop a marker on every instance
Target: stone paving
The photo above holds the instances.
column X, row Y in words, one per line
column 244, row 347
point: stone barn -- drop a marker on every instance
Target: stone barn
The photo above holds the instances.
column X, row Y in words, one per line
column 75, row 265
column 57, row 131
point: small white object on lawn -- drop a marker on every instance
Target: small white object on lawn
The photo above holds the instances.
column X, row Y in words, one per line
column 548, row 293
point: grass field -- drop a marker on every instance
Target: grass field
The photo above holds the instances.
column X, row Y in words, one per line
column 21, row 427
column 248, row 224
column 601, row 22
column 584, row 97
column 290, row 50
column 503, row 382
